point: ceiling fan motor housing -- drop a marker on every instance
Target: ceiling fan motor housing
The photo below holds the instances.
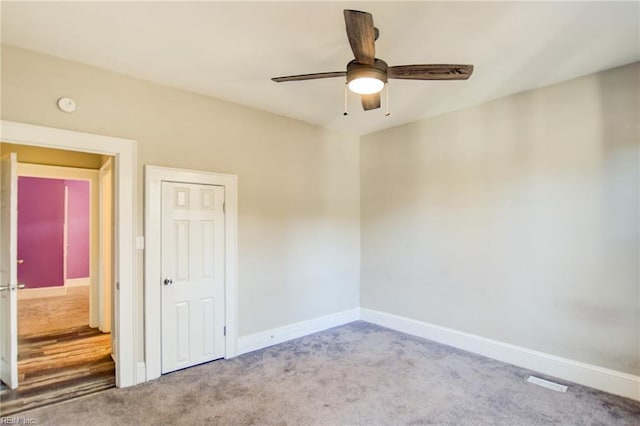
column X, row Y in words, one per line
column 357, row 70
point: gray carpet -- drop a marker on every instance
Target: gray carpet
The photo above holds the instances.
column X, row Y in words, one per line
column 357, row 374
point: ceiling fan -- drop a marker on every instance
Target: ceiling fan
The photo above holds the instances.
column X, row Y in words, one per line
column 367, row 75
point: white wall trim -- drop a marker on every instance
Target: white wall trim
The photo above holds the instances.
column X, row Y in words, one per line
column 277, row 335
column 77, row 282
column 124, row 151
column 605, row 379
column 154, row 176
column 36, row 293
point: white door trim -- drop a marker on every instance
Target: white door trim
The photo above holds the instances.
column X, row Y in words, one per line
column 124, row 151
column 154, row 176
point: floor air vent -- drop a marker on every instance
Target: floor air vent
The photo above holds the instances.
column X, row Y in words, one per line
column 547, row 384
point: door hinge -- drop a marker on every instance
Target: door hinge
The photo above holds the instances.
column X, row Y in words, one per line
column 225, row 330
column 224, row 207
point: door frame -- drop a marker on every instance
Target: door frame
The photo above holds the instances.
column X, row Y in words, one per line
column 154, row 176
column 87, row 175
column 124, row 151
column 105, row 240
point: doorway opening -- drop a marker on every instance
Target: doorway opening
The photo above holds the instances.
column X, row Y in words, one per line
column 127, row 328
column 65, row 243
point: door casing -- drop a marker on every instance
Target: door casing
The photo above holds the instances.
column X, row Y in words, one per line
column 154, row 176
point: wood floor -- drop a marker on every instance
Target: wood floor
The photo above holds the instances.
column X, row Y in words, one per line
column 59, row 355
column 36, row 316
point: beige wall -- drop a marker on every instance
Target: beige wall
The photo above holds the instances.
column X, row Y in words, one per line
column 298, row 184
column 515, row 220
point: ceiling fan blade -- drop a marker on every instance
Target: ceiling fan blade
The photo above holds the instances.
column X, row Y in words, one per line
column 430, row 72
column 309, row 76
column 370, row 101
column 361, row 34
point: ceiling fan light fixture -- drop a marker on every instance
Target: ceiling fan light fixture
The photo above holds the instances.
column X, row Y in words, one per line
column 366, row 85
column 365, row 79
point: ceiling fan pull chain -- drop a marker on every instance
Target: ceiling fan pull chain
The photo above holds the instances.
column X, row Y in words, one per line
column 388, row 113
column 345, row 100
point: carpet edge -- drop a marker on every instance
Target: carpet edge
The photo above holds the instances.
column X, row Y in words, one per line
column 608, row 380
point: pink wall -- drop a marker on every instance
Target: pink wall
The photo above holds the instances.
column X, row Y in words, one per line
column 41, row 226
column 40, row 231
column 78, row 229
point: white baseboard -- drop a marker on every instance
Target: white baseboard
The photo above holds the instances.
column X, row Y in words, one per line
column 277, row 335
column 141, row 372
column 77, row 282
column 605, row 379
column 37, row 293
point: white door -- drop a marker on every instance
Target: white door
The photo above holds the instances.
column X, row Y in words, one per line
column 9, row 271
column 192, row 248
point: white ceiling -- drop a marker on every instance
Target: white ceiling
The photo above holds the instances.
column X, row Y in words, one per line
column 230, row 50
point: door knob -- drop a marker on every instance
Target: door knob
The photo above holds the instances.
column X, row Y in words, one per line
column 168, row 281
